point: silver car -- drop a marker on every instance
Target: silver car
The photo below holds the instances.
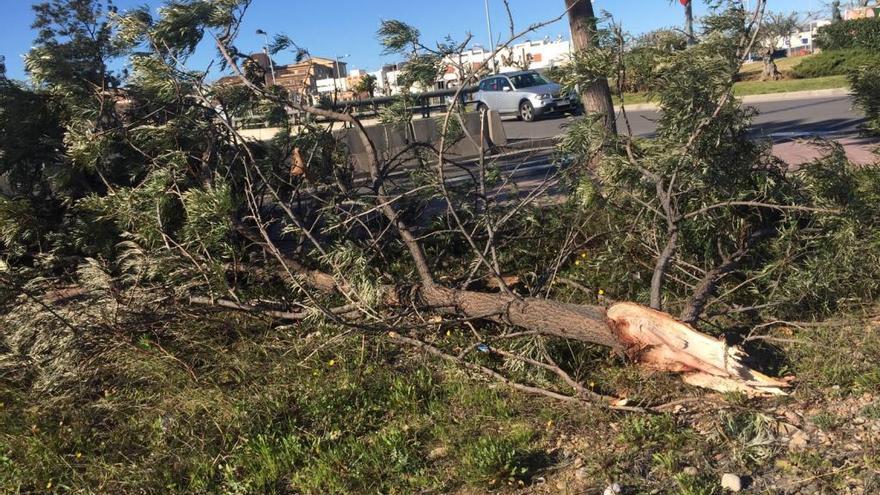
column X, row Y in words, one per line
column 525, row 94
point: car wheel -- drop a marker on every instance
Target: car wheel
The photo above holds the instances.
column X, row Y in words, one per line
column 526, row 111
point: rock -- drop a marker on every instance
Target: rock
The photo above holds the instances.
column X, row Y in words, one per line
column 798, row 441
column 438, row 453
column 786, row 429
column 612, row 489
column 581, row 474
column 792, row 418
column 690, row 471
column 731, row 482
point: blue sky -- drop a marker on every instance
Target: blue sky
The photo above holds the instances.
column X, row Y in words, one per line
column 339, row 27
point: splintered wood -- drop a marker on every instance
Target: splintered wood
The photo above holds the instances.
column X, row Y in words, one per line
column 656, row 340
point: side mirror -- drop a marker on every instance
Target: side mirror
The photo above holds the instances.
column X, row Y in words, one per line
column 506, row 88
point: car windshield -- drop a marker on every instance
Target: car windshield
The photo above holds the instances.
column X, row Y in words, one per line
column 528, row 80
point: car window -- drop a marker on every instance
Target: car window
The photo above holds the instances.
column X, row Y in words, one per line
column 503, row 83
column 492, row 84
column 528, row 80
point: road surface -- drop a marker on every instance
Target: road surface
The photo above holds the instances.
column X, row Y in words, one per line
column 827, row 117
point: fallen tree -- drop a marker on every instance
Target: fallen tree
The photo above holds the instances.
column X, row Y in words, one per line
column 700, row 218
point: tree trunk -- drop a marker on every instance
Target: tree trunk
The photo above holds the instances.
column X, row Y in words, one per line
column 689, row 23
column 650, row 338
column 595, row 97
column 771, row 71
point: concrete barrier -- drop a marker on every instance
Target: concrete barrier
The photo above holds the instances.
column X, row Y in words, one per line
column 391, row 140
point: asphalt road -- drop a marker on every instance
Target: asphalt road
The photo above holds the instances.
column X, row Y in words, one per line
column 779, row 120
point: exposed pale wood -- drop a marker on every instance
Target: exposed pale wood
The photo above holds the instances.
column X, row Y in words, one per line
column 655, row 339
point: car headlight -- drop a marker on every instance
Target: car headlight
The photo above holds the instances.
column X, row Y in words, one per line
column 545, row 96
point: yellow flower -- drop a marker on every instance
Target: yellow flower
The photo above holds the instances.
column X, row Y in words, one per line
column 584, row 254
column 592, row 384
column 49, row 485
column 449, row 333
column 601, row 292
column 549, row 424
column 78, row 455
column 578, row 262
column 331, row 362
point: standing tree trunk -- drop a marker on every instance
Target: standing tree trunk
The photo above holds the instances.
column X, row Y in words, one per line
column 771, row 71
column 596, row 97
column 689, row 22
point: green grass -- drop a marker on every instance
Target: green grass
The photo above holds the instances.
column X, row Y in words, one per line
column 746, row 88
column 752, row 70
column 265, row 410
column 226, row 403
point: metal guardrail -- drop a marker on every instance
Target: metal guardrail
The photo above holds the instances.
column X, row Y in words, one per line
column 436, row 101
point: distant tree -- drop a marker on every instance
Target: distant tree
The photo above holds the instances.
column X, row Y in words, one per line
column 73, row 45
column 835, row 11
column 366, row 84
column 776, row 26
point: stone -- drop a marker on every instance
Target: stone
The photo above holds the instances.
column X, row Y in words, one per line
column 690, row 471
column 438, row 453
column 612, row 489
column 798, row 441
column 581, row 474
column 731, row 482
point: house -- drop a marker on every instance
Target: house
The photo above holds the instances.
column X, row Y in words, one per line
column 800, row 42
column 538, row 55
column 862, row 12
column 297, row 78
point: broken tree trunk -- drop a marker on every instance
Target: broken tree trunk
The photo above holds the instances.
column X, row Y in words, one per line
column 648, row 337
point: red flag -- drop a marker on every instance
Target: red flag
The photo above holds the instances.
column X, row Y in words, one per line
column 685, row 2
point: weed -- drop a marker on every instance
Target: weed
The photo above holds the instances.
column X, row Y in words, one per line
column 749, row 436
column 495, row 458
column 826, row 421
column 694, row 485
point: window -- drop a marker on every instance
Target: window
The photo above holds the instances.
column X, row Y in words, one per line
column 490, row 84
column 503, row 83
column 528, row 80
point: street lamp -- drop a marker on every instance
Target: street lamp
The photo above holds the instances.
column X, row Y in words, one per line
column 491, row 40
column 335, row 89
column 266, row 51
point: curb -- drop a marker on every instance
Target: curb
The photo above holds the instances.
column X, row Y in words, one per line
column 764, row 98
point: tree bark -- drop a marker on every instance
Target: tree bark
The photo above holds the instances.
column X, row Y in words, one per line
column 650, row 338
column 596, row 96
column 771, row 71
column 689, row 22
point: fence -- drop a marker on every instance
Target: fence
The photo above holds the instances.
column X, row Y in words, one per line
column 425, row 104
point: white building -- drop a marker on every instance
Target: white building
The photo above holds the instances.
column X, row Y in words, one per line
column 801, row 42
column 537, row 55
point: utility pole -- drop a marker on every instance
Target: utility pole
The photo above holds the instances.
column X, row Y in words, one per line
column 491, row 39
column 596, row 96
column 266, row 51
